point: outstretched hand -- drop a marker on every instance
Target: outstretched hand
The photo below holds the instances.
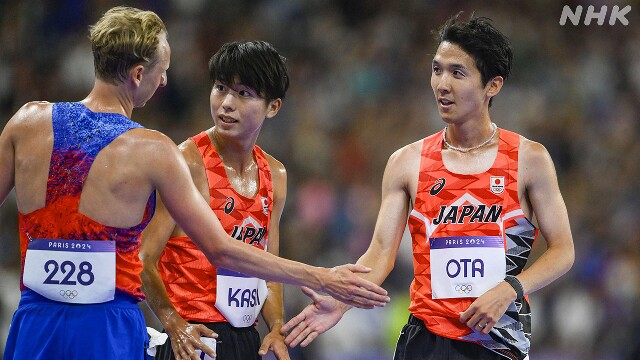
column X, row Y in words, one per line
column 185, row 339
column 344, row 285
column 320, row 316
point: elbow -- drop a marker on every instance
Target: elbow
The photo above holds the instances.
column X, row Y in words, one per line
column 218, row 253
column 570, row 258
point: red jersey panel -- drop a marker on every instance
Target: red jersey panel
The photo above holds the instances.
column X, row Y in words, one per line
column 79, row 135
column 485, row 205
column 188, row 276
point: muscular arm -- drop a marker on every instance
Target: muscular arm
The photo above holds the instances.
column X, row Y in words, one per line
column 539, row 176
column 541, row 191
column 193, row 214
column 393, row 214
column 273, row 309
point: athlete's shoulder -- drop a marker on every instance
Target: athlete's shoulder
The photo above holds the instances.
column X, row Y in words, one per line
column 407, row 152
column 277, row 169
column 533, row 151
column 191, row 153
column 274, row 164
column 32, row 113
column 144, row 146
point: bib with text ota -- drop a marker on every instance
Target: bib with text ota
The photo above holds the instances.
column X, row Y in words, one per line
column 466, row 266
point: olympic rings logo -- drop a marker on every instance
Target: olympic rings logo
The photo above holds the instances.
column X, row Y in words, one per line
column 464, row 288
column 68, row 294
column 247, row 318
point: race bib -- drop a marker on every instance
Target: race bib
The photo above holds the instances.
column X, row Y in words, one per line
column 239, row 297
column 466, row 266
column 71, row 271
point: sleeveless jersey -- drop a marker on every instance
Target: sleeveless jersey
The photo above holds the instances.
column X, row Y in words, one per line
column 480, row 206
column 190, row 279
column 78, row 136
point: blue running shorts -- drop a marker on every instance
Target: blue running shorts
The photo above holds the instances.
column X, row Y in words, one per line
column 46, row 329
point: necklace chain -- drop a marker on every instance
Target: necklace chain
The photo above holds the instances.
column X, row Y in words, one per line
column 465, row 150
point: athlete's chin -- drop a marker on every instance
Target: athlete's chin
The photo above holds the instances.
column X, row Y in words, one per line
column 447, row 117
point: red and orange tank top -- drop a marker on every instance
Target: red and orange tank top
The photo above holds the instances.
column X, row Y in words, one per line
column 481, row 206
column 79, row 134
column 189, row 277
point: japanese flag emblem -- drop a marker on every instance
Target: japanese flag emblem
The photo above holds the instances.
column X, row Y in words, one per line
column 497, row 184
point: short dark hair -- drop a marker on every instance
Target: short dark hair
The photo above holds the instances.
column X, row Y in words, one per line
column 482, row 41
column 255, row 63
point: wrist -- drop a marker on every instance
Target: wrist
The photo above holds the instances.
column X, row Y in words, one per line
column 516, row 285
column 276, row 325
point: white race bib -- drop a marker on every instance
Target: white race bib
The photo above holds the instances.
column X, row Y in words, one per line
column 466, row 266
column 71, row 271
column 239, row 297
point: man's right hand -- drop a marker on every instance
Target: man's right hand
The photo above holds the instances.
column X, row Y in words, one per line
column 323, row 314
column 185, row 339
column 342, row 283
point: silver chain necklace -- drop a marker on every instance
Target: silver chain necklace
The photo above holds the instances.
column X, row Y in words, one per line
column 466, row 150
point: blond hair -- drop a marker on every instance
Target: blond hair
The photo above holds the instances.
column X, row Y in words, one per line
column 124, row 37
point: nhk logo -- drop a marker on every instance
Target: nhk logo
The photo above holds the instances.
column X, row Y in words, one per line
column 617, row 14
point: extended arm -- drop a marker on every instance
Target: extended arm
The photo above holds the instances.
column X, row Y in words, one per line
column 192, row 213
column 324, row 313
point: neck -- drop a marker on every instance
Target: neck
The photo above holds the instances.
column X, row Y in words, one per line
column 235, row 154
column 106, row 97
column 466, row 137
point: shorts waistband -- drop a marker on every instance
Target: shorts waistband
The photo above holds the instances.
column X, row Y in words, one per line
column 120, row 299
column 223, row 325
column 415, row 321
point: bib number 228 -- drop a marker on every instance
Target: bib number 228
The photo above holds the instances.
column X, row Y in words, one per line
column 65, row 273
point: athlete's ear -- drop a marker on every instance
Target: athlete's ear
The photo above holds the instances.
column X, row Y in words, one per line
column 493, row 86
column 135, row 74
column 273, row 107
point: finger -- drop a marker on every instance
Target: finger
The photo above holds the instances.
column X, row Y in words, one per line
column 205, row 331
column 204, row 347
column 464, row 316
column 357, row 268
column 293, row 322
column 180, row 353
column 312, row 336
column 364, row 298
column 291, row 339
column 280, row 352
column 373, row 291
column 315, row 297
column 487, row 328
column 189, row 352
column 264, row 349
column 303, row 335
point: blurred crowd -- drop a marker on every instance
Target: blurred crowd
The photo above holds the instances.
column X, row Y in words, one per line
column 360, row 90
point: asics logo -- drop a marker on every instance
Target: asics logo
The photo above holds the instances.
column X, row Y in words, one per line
column 435, row 189
column 228, row 207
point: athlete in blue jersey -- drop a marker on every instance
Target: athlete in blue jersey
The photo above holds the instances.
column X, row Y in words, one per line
column 85, row 176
